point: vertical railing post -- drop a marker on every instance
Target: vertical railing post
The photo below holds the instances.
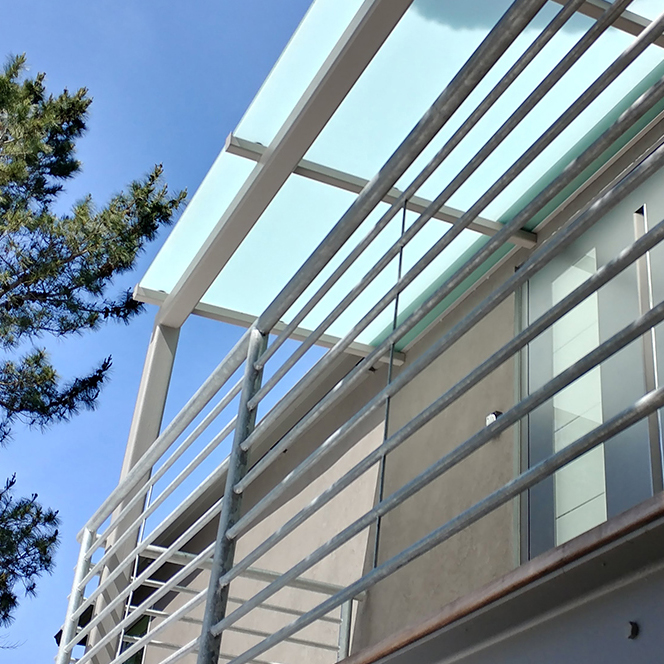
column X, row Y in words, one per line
column 70, row 626
column 145, row 426
column 344, row 630
column 224, row 552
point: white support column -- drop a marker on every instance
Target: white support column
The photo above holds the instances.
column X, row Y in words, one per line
column 152, row 394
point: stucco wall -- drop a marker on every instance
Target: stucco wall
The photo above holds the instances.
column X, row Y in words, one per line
column 340, row 568
column 489, row 548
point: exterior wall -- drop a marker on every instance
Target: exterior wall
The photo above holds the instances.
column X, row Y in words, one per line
column 344, row 566
column 489, row 548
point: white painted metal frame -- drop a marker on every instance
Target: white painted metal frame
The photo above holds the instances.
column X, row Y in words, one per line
column 349, row 58
column 353, row 183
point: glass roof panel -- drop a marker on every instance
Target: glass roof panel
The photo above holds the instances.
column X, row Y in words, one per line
column 290, row 229
column 203, row 211
column 417, row 61
column 647, row 8
column 304, row 55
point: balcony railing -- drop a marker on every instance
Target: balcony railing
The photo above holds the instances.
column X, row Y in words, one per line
column 127, row 565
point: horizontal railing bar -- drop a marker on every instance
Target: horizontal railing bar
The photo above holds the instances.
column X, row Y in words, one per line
column 409, row 194
column 641, row 106
column 475, row 261
column 163, row 469
column 161, row 498
column 163, row 526
column 290, row 639
column 217, row 379
column 342, row 180
column 644, row 407
column 473, row 71
column 591, row 285
column 465, row 219
column 183, row 538
column 146, row 604
column 451, row 459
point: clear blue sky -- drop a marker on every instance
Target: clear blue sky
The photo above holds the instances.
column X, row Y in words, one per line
column 169, row 81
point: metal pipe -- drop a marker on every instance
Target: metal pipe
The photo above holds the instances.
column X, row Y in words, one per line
column 494, row 45
column 153, row 567
column 641, row 106
column 180, row 422
column 505, row 82
column 153, row 479
column 526, row 480
column 224, row 550
column 465, row 220
column 70, row 626
column 580, row 223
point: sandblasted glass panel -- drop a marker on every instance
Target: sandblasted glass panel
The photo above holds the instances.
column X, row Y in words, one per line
column 580, row 487
column 618, row 474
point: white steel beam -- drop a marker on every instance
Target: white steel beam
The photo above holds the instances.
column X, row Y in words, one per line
column 366, row 33
column 353, row 183
column 152, row 394
column 151, row 296
column 629, row 22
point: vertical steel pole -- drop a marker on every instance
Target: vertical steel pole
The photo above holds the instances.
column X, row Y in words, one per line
column 70, row 626
column 646, row 303
column 390, row 369
column 224, row 552
column 344, row 630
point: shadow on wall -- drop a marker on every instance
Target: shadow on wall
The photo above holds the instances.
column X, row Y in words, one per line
column 483, row 14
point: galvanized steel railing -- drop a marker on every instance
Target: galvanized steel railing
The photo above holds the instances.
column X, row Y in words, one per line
column 135, row 500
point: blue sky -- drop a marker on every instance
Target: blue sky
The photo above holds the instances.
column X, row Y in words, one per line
column 169, row 82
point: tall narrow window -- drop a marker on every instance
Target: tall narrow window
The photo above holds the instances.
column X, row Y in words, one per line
column 618, row 474
column 580, row 487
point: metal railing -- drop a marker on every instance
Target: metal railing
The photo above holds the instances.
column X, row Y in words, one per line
column 126, row 538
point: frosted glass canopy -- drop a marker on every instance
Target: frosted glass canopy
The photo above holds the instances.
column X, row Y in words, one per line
column 420, row 57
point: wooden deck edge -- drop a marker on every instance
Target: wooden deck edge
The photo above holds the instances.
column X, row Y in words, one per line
column 590, row 541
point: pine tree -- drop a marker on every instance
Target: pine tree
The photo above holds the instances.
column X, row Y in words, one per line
column 56, row 271
column 28, row 539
